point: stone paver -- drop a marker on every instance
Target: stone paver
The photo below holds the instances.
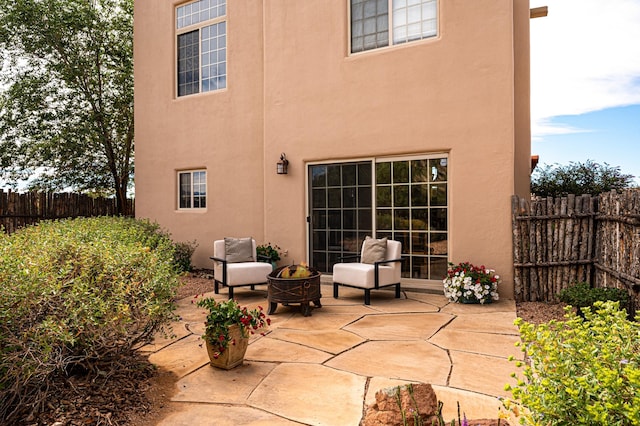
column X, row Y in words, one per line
column 433, row 299
column 500, row 345
column 223, row 415
column 185, row 355
column 213, row 385
column 328, row 320
column 414, row 360
column 332, row 341
column 481, row 373
column 399, row 326
column 323, row 369
column 280, row 351
column 311, row 394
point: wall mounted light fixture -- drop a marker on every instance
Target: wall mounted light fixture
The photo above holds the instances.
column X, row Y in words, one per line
column 283, row 165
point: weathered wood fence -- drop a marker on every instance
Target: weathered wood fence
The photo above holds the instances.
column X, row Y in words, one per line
column 557, row 242
column 21, row 209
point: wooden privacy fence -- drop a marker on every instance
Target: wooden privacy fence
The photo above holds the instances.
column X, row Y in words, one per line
column 617, row 257
column 20, row 209
column 561, row 241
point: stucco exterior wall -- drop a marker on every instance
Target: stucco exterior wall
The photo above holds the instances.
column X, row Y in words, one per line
column 294, row 88
column 221, row 131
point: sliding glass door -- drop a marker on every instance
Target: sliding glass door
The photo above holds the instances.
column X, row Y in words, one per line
column 402, row 199
column 411, row 207
column 340, row 211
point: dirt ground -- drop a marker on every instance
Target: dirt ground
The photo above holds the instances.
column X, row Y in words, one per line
column 151, row 401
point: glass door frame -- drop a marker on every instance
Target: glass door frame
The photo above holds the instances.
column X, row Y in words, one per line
column 374, row 161
column 309, row 208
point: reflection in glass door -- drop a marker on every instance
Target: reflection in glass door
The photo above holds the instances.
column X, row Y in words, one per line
column 411, row 206
column 341, row 211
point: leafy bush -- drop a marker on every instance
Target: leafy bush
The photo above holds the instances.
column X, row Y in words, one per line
column 578, row 178
column 182, row 253
column 582, row 295
column 75, row 294
column 584, row 372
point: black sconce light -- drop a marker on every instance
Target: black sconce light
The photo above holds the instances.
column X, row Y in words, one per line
column 282, row 165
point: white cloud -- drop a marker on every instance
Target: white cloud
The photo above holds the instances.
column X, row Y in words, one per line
column 585, row 56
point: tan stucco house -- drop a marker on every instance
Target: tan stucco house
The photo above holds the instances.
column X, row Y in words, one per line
column 400, row 118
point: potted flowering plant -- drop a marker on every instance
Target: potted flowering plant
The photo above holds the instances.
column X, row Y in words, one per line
column 467, row 283
column 227, row 330
column 268, row 253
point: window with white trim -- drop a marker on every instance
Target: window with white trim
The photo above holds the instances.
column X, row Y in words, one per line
column 192, row 189
column 201, row 30
column 407, row 20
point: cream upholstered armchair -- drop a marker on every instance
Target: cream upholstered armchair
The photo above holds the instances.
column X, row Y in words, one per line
column 236, row 264
column 379, row 266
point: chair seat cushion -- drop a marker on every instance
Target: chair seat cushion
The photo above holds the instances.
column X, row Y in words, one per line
column 245, row 273
column 363, row 275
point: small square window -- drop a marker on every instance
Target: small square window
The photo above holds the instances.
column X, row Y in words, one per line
column 192, row 189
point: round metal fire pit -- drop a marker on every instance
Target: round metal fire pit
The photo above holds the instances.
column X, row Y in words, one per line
column 293, row 290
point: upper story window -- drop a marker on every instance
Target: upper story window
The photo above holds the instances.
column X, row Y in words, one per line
column 407, row 20
column 192, row 189
column 201, row 29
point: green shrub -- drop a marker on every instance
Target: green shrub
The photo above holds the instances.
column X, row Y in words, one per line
column 582, row 295
column 75, row 293
column 182, row 253
column 583, row 372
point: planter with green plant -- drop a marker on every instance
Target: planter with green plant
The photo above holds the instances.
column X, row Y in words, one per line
column 227, row 330
column 269, row 253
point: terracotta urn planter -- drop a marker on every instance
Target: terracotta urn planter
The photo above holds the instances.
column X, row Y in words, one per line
column 233, row 355
column 227, row 329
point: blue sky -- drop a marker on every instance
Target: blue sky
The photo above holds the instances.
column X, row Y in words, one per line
column 585, row 83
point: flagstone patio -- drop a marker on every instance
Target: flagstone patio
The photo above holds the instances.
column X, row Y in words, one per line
column 323, row 369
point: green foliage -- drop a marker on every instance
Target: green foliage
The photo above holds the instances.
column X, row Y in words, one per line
column 583, row 372
column 66, row 108
column 226, row 313
column 75, row 294
column 581, row 295
column 182, row 255
column 272, row 252
column 577, row 178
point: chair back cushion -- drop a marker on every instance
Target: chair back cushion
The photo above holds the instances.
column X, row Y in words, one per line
column 362, row 275
column 394, row 251
column 239, row 250
column 373, row 250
